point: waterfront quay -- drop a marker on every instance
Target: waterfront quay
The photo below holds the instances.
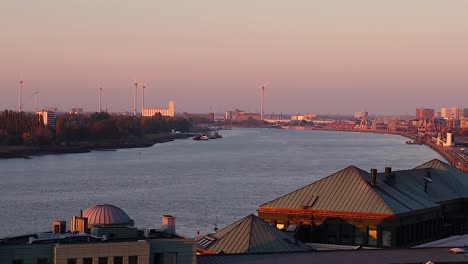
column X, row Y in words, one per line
column 453, row 154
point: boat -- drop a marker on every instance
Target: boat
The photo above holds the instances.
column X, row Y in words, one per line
column 201, row 137
column 414, row 142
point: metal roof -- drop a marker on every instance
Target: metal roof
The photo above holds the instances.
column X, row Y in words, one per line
column 346, row 191
column 381, row 256
column 250, row 235
column 349, row 191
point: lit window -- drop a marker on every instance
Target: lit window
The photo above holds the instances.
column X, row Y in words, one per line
column 372, row 236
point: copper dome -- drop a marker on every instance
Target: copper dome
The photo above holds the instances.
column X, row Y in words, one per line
column 107, row 214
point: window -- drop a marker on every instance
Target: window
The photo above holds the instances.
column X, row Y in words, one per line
column 332, row 231
column 158, row 258
column 280, row 224
column 71, row 261
column 172, row 258
column 17, row 261
column 346, row 233
column 118, row 260
column 132, row 259
column 386, row 238
column 372, row 236
column 43, row 261
column 87, row 260
column 359, row 234
column 102, row 260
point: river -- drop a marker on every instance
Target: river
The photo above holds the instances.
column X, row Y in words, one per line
column 199, row 182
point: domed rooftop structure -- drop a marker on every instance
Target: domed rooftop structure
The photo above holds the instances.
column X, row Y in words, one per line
column 107, row 215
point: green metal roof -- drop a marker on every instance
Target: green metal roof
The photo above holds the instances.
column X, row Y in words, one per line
column 251, row 235
column 350, row 191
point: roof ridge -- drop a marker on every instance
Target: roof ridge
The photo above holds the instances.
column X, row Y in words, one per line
column 315, row 182
column 272, row 230
column 376, row 193
column 249, row 239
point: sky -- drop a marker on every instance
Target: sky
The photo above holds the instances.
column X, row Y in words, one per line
column 326, row 57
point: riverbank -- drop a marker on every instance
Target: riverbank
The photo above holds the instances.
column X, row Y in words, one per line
column 451, row 156
column 8, row 152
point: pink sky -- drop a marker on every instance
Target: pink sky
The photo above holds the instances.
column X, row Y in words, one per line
column 385, row 57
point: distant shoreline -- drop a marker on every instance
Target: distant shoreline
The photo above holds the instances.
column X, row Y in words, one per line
column 447, row 155
column 25, row 152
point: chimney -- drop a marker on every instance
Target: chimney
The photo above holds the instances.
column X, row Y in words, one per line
column 168, row 224
column 389, row 176
column 79, row 224
column 373, row 179
column 59, row 227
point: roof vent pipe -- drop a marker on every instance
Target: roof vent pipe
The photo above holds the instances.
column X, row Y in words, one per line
column 373, row 179
column 426, row 180
column 388, row 174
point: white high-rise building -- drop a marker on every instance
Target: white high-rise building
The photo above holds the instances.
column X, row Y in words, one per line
column 48, row 117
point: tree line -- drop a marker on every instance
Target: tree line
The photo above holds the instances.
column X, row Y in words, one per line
column 28, row 129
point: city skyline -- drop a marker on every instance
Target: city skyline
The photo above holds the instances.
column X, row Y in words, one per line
column 337, row 57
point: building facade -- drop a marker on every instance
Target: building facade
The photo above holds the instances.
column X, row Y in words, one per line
column 453, row 113
column 239, row 115
column 391, row 209
column 424, row 113
column 102, row 234
column 169, row 111
column 48, row 117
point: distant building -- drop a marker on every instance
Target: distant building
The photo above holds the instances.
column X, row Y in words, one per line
column 169, row 111
column 453, row 113
column 48, row 117
column 101, row 234
column 464, row 122
column 391, row 209
column 360, row 115
column 76, row 110
column 424, row 113
column 239, row 115
column 200, row 118
column 306, row 117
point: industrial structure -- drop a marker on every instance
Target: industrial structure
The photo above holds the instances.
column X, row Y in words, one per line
column 239, row 115
column 200, row 118
column 390, row 209
column 169, row 111
column 100, row 234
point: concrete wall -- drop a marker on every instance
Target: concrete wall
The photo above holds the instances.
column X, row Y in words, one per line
column 105, row 249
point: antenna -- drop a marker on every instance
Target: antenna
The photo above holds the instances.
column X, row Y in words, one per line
column 135, row 98
column 36, row 94
column 20, row 97
column 100, row 98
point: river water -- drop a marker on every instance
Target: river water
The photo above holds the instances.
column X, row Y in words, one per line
column 199, row 182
